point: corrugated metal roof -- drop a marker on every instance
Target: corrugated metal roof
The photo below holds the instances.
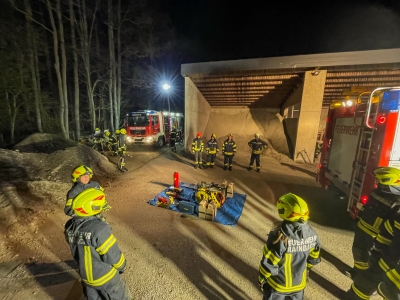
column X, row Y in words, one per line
column 268, row 82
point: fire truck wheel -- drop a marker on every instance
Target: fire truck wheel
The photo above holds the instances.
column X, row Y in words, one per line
column 160, row 142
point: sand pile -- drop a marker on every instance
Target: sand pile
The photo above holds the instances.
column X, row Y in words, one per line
column 41, row 175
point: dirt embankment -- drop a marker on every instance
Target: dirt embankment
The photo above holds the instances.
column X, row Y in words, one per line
column 37, row 173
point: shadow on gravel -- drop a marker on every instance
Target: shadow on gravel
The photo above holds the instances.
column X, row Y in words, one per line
column 175, row 156
column 200, row 271
column 161, row 183
column 327, row 285
column 312, row 174
column 49, row 274
column 337, row 263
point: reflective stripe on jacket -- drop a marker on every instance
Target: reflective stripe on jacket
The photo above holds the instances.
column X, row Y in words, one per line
column 388, row 242
column 172, row 134
column 212, row 146
column 284, row 263
column 377, row 209
column 257, row 146
column 95, row 249
column 78, row 188
column 229, row 147
column 197, row 145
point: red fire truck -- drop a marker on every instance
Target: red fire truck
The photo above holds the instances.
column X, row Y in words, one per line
column 362, row 133
column 151, row 127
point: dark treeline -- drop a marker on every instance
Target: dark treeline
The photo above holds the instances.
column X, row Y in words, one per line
column 68, row 66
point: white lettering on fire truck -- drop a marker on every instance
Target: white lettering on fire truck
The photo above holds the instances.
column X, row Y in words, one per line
column 350, row 130
column 137, row 128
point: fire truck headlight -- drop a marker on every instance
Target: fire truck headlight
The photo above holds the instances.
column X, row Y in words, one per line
column 349, row 103
column 150, row 139
column 128, row 138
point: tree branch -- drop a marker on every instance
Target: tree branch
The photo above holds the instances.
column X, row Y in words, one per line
column 27, row 15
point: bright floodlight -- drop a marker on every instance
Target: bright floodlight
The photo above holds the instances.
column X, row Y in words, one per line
column 166, row 86
column 349, row 103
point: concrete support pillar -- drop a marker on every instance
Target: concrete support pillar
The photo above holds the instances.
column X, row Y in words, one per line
column 310, row 111
column 197, row 112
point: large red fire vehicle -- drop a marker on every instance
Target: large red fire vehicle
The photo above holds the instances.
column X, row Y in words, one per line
column 151, row 127
column 362, row 134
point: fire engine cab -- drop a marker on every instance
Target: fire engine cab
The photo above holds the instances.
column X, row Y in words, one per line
column 362, row 134
column 151, row 127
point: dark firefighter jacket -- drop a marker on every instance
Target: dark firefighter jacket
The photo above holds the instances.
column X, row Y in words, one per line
column 121, row 141
column 229, row 147
column 377, row 209
column 95, row 249
column 172, row 134
column 78, row 188
column 388, row 242
column 257, row 146
column 284, row 264
column 212, row 147
column 197, row 145
column 114, row 139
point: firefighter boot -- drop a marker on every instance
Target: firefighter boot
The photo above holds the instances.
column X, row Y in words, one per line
column 258, row 170
column 249, row 168
column 225, row 167
column 196, row 166
column 230, row 168
column 212, row 166
column 201, row 166
column 205, row 167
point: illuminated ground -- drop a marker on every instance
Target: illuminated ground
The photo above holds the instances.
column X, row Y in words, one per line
column 175, row 257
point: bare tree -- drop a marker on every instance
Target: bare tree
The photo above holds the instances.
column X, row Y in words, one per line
column 58, row 71
column 111, row 88
column 76, row 70
column 85, row 36
column 33, row 63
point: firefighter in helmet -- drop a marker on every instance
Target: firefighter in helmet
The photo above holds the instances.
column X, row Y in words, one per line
column 378, row 208
column 122, row 146
column 257, row 146
column 95, row 248
column 229, row 151
column 98, row 139
column 114, row 142
column 212, row 150
column 81, row 177
column 197, row 150
column 291, row 250
column 172, row 138
column 383, row 274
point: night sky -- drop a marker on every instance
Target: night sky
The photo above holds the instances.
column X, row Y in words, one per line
column 224, row 30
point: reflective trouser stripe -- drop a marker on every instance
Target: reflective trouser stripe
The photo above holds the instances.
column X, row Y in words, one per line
column 361, row 265
column 368, row 229
column 358, row 292
column 394, row 277
column 381, row 239
column 383, row 265
column 69, row 202
column 380, row 292
column 377, row 223
column 389, row 228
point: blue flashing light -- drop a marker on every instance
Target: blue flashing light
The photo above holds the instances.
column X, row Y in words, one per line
column 391, row 101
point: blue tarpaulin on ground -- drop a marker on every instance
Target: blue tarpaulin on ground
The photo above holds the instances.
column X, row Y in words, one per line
column 229, row 214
